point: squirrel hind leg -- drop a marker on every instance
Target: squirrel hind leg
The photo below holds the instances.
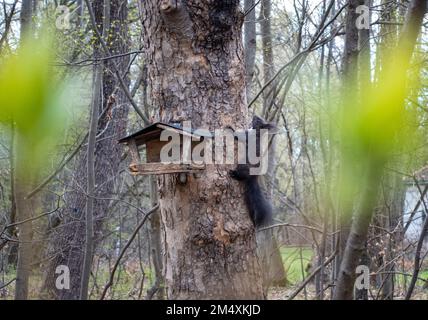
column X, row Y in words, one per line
column 263, row 215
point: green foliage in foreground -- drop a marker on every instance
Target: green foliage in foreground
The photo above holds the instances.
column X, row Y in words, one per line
column 32, row 99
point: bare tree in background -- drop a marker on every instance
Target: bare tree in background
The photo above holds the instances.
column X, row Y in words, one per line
column 362, row 218
column 68, row 239
column 250, row 44
column 22, row 185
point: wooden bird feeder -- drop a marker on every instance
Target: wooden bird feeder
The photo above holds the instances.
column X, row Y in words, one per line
column 149, row 138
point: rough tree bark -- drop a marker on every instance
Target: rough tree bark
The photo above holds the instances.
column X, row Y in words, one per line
column 156, row 244
column 196, row 72
column 67, row 240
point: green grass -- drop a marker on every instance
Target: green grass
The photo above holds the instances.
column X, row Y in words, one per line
column 423, row 275
column 294, row 259
column 400, row 279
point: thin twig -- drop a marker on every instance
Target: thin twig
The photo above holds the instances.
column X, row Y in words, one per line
column 8, row 283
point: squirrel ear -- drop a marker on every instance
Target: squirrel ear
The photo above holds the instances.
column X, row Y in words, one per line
column 260, row 123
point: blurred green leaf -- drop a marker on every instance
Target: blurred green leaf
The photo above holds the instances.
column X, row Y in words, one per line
column 30, row 97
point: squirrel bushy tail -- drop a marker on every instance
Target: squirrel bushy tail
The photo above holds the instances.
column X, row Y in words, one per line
column 259, row 207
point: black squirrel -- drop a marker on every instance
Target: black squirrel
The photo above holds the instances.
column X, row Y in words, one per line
column 259, row 207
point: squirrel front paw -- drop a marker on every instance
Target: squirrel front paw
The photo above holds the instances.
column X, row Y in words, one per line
column 233, row 174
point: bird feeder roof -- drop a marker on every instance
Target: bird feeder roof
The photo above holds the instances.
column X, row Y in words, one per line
column 153, row 132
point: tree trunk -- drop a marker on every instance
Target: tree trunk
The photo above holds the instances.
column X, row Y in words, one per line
column 350, row 83
column 12, row 253
column 364, row 80
column 250, row 44
column 268, row 249
column 25, row 18
column 22, row 184
column 67, row 240
column 387, row 36
column 156, row 244
column 267, row 50
column 90, row 186
column 23, row 212
column 364, row 55
column 196, row 72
